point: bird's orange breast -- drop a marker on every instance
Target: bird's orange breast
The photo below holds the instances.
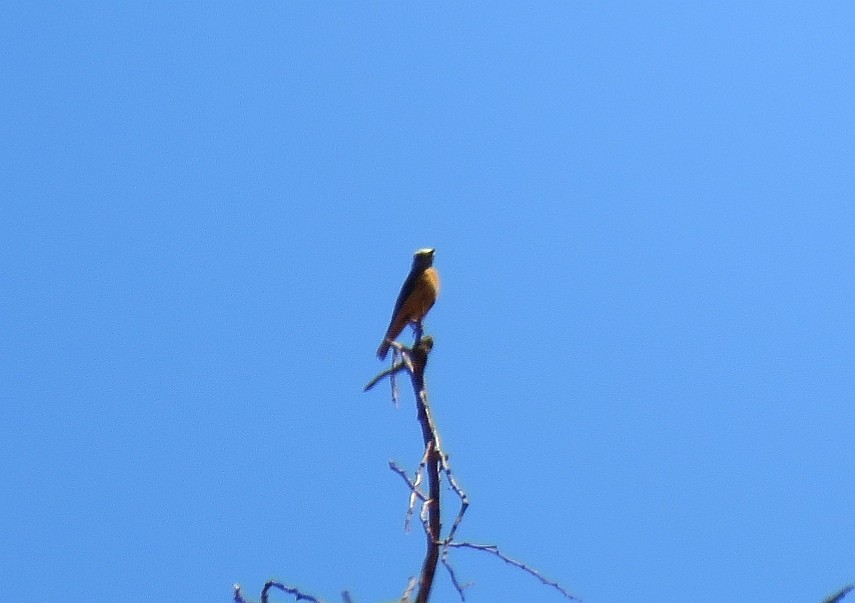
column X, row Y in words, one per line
column 423, row 296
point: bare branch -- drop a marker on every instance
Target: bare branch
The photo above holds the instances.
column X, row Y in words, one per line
column 389, row 372
column 414, row 490
column 298, row 594
column 405, row 355
column 408, row 592
column 461, row 494
column 397, row 366
column 453, row 575
column 838, row 596
column 418, row 357
column 423, row 516
column 435, row 463
column 494, row 550
column 412, row 485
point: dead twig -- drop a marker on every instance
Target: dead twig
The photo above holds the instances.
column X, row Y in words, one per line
column 461, row 494
column 389, row 372
column 453, row 575
column 435, row 463
column 838, row 596
column 414, row 490
column 494, row 550
column 291, row 590
column 411, row 585
column 432, row 460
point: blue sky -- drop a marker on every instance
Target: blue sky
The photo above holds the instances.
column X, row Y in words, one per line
column 645, row 339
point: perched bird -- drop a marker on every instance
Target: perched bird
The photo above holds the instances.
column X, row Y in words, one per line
column 417, row 296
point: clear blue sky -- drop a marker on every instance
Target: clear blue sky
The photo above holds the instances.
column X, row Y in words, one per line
column 644, row 218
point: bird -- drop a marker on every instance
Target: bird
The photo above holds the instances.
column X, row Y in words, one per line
column 417, row 296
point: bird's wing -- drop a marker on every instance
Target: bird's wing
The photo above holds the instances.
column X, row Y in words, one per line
column 406, row 290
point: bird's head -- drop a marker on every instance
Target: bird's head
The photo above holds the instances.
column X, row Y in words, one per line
column 423, row 258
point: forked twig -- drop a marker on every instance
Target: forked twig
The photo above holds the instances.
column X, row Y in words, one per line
column 461, row 494
column 414, row 490
column 494, row 550
column 453, row 575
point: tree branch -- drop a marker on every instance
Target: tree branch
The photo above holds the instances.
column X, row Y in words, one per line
column 494, row 550
column 433, row 460
column 838, row 596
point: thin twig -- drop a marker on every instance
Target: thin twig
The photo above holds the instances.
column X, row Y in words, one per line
column 461, row 494
column 405, row 356
column 453, row 575
column 412, row 485
column 291, row 590
column 392, row 371
column 493, row 549
column 389, row 372
column 408, row 592
column 424, row 516
column 414, row 490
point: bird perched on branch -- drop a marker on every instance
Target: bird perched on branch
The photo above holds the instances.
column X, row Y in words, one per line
column 416, row 298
